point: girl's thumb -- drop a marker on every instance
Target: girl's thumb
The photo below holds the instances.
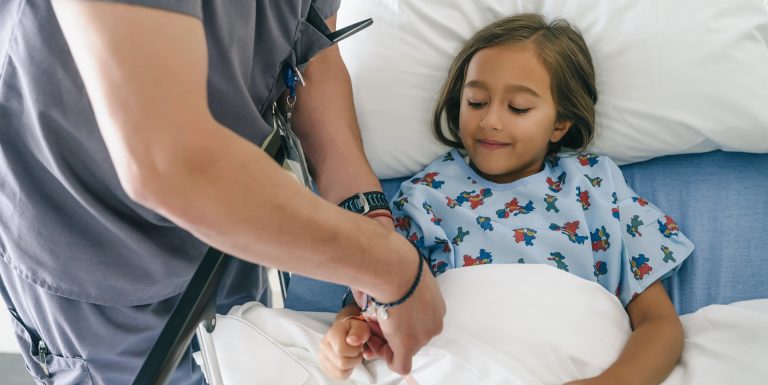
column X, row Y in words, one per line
column 359, row 333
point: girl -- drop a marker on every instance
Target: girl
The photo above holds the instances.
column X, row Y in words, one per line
column 516, row 94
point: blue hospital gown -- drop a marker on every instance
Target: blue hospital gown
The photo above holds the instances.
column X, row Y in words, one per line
column 577, row 214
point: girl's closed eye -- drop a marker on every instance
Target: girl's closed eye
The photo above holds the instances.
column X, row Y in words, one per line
column 475, row 104
column 519, row 110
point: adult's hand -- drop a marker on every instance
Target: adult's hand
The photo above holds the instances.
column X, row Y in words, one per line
column 413, row 323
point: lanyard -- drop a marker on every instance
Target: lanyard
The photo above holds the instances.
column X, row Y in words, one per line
column 291, row 77
column 293, row 155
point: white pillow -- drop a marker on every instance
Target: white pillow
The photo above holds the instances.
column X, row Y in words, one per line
column 673, row 77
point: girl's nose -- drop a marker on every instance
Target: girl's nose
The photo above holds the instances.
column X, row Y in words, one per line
column 491, row 119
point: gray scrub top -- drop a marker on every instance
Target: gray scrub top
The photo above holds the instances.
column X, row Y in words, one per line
column 66, row 225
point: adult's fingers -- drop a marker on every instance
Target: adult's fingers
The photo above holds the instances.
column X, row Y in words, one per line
column 374, row 347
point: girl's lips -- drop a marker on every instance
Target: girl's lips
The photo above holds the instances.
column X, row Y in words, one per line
column 491, row 144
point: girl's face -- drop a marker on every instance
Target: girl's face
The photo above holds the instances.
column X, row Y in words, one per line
column 507, row 116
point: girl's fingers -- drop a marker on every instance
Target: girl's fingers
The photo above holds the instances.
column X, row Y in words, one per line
column 359, row 333
column 336, row 338
column 332, row 370
column 344, row 363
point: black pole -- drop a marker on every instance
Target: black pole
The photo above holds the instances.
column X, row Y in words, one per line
column 197, row 303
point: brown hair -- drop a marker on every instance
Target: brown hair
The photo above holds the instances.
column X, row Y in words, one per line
column 564, row 54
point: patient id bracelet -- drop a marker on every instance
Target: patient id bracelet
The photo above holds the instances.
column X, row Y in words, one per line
column 363, row 203
column 372, row 306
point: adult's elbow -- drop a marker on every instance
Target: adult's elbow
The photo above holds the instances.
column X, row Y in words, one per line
column 166, row 178
column 156, row 177
column 143, row 184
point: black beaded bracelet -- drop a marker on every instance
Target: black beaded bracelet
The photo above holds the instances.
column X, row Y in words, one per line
column 380, row 308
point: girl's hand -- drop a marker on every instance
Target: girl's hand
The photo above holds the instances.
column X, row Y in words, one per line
column 342, row 347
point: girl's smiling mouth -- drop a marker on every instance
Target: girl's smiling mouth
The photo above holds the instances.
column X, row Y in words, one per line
column 490, row 144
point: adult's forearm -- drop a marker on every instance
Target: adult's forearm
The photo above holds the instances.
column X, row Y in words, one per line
column 145, row 72
column 325, row 121
column 233, row 196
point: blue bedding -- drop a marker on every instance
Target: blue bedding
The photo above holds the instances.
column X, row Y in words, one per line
column 720, row 201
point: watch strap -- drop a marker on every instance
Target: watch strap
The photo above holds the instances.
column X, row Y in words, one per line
column 363, row 203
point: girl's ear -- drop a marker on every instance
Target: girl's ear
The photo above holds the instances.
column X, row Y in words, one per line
column 561, row 128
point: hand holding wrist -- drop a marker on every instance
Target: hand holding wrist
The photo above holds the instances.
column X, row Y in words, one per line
column 413, row 323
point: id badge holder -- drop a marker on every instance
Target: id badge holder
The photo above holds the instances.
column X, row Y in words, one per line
column 290, row 154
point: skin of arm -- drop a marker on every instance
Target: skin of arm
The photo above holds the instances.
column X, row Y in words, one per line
column 325, row 121
column 145, row 71
column 655, row 346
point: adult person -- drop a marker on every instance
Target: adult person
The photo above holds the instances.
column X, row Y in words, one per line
column 129, row 138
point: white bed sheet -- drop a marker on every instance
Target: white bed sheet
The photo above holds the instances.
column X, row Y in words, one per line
column 506, row 324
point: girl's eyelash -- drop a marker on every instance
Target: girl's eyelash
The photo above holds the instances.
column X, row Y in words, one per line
column 472, row 104
column 477, row 105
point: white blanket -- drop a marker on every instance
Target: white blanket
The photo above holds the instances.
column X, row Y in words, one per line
column 506, row 324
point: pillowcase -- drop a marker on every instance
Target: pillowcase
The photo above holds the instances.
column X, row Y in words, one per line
column 673, row 77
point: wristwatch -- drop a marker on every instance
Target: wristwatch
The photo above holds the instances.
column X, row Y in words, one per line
column 363, row 203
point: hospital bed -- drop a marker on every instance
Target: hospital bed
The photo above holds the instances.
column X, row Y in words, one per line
column 720, row 201
column 719, row 198
column 705, row 193
column 720, row 292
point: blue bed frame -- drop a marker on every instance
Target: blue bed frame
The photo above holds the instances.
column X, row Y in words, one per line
column 720, row 201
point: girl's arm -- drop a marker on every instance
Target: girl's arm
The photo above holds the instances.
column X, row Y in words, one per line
column 655, row 346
